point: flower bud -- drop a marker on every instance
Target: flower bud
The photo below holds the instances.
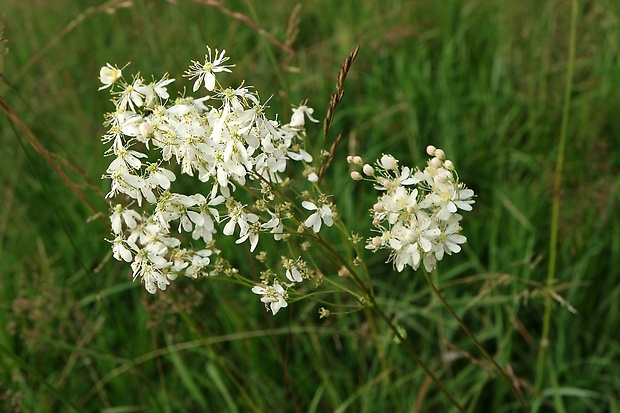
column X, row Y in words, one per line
column 448, row 164
column 357, row 160
column 356, row 176
column 430, row 149
column 146, row 130
column 435, row 163
column 313, row 177
column 440, row 154
column 410, row 236
column 350, row 159
column 368, row 170
column 377, row 207
column 377, row 242
column 440, row 178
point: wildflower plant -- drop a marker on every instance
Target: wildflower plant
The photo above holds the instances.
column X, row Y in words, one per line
column 239, row 159
column 238, row 162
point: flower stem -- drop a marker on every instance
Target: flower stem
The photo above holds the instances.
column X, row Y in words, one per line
column 471, row 335
column 555, row 208
column 415, row 355
column 377, row 309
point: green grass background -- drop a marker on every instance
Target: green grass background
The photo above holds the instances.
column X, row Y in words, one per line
column 482, row 80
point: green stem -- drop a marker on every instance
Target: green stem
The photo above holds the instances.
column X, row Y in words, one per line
column 471, row 335
column 373, row 303
column 415, row 355
column 555, row 209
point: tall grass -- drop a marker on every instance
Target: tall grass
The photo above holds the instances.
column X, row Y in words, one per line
column 483, row 80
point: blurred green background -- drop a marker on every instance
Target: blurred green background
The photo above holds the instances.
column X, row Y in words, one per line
column 483, row 80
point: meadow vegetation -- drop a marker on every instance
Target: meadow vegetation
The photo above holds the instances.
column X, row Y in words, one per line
column 485, row 81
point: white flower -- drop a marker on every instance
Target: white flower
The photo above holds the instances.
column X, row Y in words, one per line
column 205, row 71
column 404, row 252
column 149, row 266
column 449, row 239
column 236, row 217
column 322, row 214
column 160, row 177
column 109, row 75
column 121, row 214
column 130, row 97
column 273, row 296
column 200, row 260
column 298, row 120
column 293, row 267
column 462, row 198
column 293, row 274
column 251, row 231
column 120, row 250
column 276, row 226
column 154, row 90
column 388, row 162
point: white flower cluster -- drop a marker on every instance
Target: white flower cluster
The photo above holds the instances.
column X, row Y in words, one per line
column 416, row 214
column 223, row 139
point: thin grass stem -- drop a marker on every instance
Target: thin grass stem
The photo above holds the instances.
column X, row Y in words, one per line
column 555, row 208
column 471, row 335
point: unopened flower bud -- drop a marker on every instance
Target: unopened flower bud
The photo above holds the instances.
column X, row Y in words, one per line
column 356, row 176
column 440, row 154
column 312, row 177
column 350, row 159
column 435, row 163
column 410, row 236
column 377, row 207
column 344, row 272
column 430, row 149
column 448, row 165
column 440, row 178
column 377, row 242
column 357, row 160
column 146, row 130
column 368, row 170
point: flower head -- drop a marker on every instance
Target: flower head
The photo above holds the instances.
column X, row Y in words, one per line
column 416, row 212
